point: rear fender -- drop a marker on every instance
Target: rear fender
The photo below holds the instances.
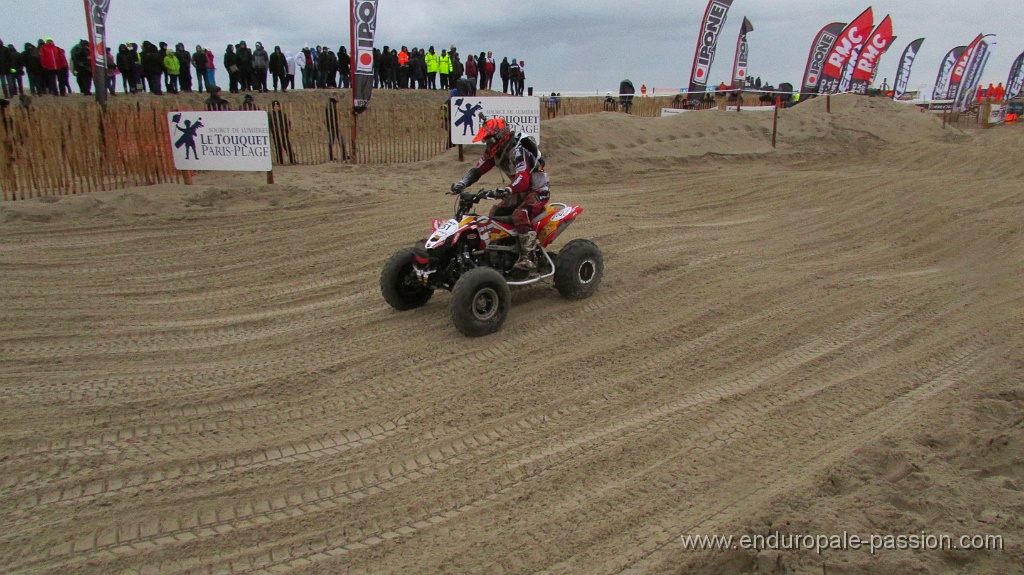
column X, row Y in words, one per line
column 554, row 224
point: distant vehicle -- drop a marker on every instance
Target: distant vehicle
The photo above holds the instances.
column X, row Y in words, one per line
column 1015, row 106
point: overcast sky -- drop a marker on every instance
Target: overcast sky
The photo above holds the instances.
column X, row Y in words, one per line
column 568, row 45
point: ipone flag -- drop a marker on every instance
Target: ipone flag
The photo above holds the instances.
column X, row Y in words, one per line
column 96, row 19
column 870, row 54
column 364, row 27
column 941, row 91
column 739, row 68
column 1015, row 83
column 820, row 49
column 849, row 43
column 903, row 72
column 704, row 56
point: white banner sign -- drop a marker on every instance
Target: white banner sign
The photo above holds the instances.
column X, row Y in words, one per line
column 523, row 113
column 749, row 109
column 997, row 115
column 673, row 112
column 231, row 141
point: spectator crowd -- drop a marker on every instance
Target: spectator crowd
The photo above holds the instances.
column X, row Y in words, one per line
column 44, row 68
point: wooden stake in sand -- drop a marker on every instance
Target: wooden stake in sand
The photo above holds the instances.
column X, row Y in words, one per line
column 775, row 120
column 355, row 132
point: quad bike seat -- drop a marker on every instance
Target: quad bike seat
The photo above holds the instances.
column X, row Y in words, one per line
column 507, row 220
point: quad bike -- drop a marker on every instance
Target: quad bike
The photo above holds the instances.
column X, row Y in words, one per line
column 473, row 256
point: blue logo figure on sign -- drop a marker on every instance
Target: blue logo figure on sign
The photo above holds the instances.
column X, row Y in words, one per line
column 188, row 135
column 466, row 116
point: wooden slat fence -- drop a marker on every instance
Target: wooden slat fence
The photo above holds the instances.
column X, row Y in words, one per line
column 73, row 149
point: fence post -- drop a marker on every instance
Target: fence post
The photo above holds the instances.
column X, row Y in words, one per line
column 828, row 103
column 355, row 130
column 775, row 120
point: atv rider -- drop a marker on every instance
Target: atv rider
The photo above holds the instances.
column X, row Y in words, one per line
column 527, row 194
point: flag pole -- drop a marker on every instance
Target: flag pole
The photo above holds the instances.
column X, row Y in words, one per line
column 352, row 74
column 99, row 79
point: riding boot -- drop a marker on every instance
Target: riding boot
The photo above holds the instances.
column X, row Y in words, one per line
column 527, row 243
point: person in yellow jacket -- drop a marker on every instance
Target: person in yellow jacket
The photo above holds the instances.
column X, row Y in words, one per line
column 444, row 68
column 172, row 67
column 430, row 59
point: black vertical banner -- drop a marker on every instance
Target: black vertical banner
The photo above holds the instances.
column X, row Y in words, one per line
column 820, row 49
column 707, row 41
column 739, row 68
column 96, row 19
column 364, row 28
column 903, row 72
column 1015, row 83
column 956, row 77
column 942, row 81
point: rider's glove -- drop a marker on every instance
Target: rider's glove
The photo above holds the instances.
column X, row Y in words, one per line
column 458, row 187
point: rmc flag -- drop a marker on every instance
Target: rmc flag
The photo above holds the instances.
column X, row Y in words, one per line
column 850, row 41
column 739, row 68
column 903, row 72
column 972, row 75
column 96, row 19
column 707, row 41
column 956, row 76
column 363, row 28
column 870, row 54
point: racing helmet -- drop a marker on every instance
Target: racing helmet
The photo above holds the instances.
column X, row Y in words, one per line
column 495, row 134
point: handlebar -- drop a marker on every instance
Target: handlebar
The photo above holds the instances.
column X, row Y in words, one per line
column 482, row 194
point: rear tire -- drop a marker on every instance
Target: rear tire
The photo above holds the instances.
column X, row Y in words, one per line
column 480, row 302
column 398, row 283
column 578, row 269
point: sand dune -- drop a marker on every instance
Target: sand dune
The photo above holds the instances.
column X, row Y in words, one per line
column 819, row 338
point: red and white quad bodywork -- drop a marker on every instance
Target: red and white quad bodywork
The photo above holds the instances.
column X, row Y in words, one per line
column 548, row 225
column 488, row 233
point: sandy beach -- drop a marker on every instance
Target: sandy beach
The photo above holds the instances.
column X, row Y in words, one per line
column 815, row 339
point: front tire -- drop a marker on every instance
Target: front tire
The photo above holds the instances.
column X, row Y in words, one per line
column 578, row 269
column 398, row 283
column 480, row 302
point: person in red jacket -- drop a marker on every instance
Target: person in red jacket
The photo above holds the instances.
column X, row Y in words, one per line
column 49, row 59
column 1000, row 92
column 489, row 68
column 403, row 68
column 471, row 69
column 64, row 74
